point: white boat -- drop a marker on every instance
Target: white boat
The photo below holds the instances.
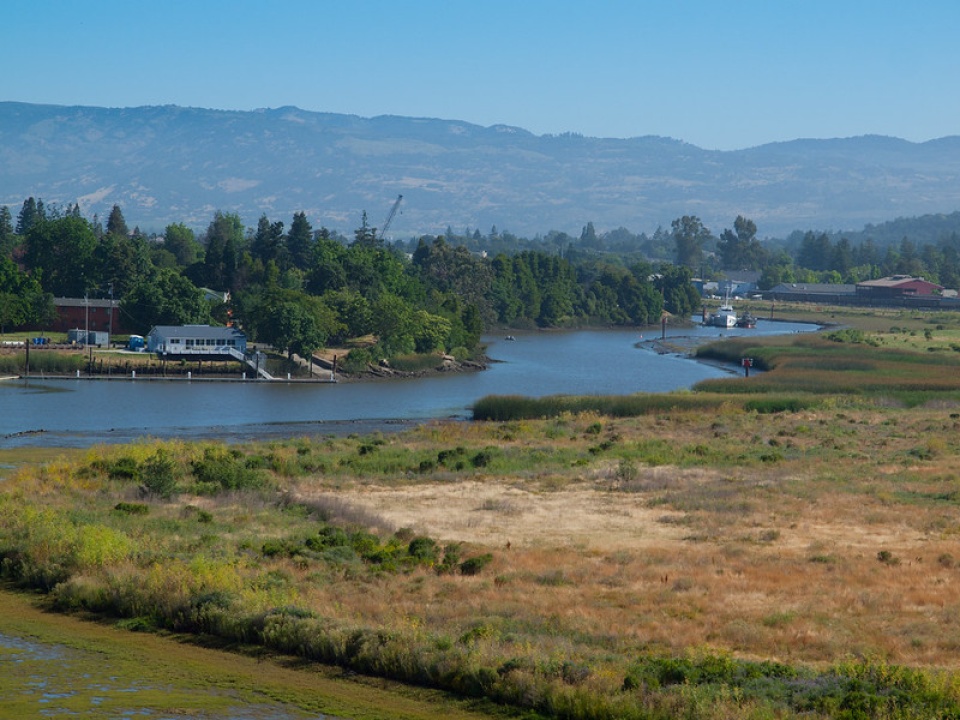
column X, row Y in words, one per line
column 724, row 317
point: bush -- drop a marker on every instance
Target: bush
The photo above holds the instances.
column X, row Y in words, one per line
column 481, row 459
column 159, row 475
column 225, row 470
column 357, row 360
column 473, row 566
column 131, row 508
column 124, row 468
column 423, row 549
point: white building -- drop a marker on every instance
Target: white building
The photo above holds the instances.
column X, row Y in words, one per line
column 196, row 342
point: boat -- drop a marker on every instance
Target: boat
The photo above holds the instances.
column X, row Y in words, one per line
column 724, row 317
column 746, row 321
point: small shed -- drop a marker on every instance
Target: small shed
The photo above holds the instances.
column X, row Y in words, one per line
column 88, row 337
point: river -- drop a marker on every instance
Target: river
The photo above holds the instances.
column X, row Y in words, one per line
column 72, row 412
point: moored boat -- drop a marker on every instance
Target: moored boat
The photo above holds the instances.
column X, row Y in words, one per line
column 724, row 317
column 746, row 321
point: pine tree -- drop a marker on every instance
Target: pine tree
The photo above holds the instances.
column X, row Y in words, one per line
column 116, row 225
column 300, row 241
column 28, row 216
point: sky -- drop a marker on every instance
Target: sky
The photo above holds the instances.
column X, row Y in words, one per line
column 719, row 74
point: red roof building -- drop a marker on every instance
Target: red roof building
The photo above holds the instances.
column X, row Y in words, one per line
column 897, row 287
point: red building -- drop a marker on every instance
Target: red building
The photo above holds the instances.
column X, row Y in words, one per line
column 87, row 314
column 897, row 287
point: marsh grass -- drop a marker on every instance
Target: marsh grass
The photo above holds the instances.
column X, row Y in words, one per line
column 754, row 614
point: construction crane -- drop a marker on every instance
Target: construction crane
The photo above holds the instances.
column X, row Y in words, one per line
column 393, row 211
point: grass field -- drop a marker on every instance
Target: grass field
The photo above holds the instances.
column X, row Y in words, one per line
column 726, row 555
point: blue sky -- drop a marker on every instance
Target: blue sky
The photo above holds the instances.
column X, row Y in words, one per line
column 721, row 74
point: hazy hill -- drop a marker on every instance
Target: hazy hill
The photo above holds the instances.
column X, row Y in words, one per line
column 170, row 164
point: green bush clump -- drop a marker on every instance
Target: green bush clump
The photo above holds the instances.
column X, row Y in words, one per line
column 357, row 360
column 131, row 508
column 124, row 468
column 423, row 549
column 481, row 459
column 473, row 566
column 159, row 474
column 221, row 469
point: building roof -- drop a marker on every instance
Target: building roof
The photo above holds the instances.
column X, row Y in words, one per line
column 815, row 288
column 196, row 331
column 895, row 281
column 85, row 302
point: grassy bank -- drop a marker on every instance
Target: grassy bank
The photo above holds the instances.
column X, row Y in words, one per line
column 698, row 563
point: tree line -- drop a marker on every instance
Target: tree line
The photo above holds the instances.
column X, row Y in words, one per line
column 300, row 289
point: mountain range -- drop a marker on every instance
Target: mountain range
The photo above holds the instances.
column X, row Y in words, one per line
column 169, row 164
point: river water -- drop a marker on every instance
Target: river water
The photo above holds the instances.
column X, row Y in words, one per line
column 77, row 412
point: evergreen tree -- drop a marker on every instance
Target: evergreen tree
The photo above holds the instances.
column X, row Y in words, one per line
column 365, row 235
column 116, row 225
column 7, row 237
column 268, row 243
column 300, row 241
column 224, row 252
column 28, row 216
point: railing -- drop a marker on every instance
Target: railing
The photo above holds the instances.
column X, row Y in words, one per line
column 256, row 363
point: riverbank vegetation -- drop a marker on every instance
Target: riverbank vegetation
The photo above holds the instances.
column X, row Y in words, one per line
column 704, row 557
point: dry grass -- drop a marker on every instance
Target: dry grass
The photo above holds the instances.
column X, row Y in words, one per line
column 774, row 560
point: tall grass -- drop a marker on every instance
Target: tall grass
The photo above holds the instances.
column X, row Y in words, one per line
column 54, row 363
column 503, row 408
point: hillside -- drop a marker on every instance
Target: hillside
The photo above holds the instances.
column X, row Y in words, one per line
column 171, row 164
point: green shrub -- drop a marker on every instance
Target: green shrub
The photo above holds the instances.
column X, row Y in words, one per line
column 328, row 536
column 131, row 508
column 124, row 468
column 221, row 469
column 423, row 549
column 473, row 566
column 357, row 360
column 481, row 459
column 159, row 475
column 451, row 558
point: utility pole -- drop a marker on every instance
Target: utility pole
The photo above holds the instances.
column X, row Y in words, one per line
column 110, row 321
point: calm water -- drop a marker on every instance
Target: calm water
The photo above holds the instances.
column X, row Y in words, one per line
column 76, row 412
